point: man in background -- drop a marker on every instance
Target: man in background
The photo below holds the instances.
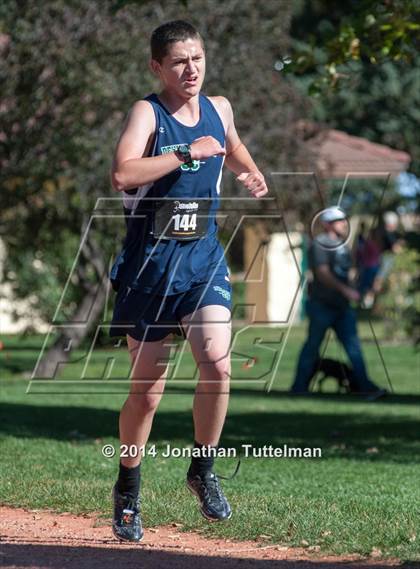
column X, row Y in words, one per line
column 329, row 305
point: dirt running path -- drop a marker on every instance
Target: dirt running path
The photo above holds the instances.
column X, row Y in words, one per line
column 37, row 539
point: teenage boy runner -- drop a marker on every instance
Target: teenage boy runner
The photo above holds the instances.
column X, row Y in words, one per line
column 171, row 275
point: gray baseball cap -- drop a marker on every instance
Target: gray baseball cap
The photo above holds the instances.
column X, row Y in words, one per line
column 333, row 213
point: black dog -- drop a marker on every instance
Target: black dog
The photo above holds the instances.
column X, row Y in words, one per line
column 341, row 372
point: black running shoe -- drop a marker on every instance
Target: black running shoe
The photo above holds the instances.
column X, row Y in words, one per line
column 214, row 505
column 126, row 523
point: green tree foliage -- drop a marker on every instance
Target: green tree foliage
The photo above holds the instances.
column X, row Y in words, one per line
column 373, row 89
column 399, row 306
column 331, row 34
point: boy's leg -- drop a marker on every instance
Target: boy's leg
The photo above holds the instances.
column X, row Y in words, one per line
column 209, row 333
column 148, row 374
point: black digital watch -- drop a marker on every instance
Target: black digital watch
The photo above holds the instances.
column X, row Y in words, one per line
column 184, row 153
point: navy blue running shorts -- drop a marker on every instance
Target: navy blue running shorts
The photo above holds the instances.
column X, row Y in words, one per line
column 150, row 317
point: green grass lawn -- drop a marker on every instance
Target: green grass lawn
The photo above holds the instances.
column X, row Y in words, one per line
column 363, row 493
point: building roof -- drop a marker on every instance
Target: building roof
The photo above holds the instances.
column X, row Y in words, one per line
column 338, row 154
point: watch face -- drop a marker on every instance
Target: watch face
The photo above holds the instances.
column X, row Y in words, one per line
column 183, row 148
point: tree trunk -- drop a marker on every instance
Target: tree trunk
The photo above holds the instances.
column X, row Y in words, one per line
column 86, row 316
column 72, row 336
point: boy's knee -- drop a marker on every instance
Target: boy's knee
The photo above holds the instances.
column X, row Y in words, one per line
column 218, row 370
column 222, row 369
column 145, row 402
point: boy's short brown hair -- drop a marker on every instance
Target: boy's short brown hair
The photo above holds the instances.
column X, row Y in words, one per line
column 171, row 32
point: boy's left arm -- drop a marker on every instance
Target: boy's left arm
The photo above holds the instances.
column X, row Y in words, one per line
column 238, row 159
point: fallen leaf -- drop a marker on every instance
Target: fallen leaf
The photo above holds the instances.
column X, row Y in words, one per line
column 314, row 548
column 376, row 552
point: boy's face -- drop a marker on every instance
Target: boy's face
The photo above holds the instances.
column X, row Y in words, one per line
column 183, row 67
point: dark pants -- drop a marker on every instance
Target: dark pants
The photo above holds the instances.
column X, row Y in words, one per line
column 343, row 322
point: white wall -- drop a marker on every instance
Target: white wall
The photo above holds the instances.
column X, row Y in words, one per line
column 283, row 276
column 27, row 317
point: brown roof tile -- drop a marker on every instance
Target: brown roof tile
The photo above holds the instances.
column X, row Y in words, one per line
column 338, row 154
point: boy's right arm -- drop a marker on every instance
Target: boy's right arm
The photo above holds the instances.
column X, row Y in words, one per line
column 130, row 168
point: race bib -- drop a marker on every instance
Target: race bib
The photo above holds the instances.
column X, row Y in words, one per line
column 181, row 219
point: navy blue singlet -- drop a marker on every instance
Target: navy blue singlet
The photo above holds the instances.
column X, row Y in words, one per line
column 170, row 266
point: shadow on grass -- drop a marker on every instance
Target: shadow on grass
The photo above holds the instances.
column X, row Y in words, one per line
column 390, row 399
column 340, row 435
column 14, row 366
